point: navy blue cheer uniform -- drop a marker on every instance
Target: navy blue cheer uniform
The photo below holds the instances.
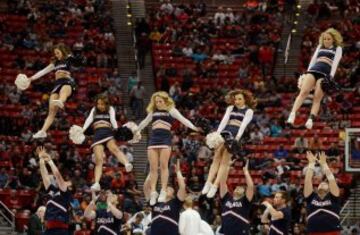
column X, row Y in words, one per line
column 107, row 223
column 161, row 137
column 57, row 213
column 324, row 62
column 165, row 217
column 102, row 134
column 281, row 226
column 323, row 214
column 235, row 215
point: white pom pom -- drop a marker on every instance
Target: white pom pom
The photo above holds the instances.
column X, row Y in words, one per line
column 300, row 81
column 22, row 82
column 134, row 129
column 76, row 134
column 214, row 140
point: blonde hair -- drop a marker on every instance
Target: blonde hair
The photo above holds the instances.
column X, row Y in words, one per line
column 169, row 102
column 338, row 40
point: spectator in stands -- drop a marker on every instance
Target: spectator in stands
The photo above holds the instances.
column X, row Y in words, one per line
column 137, row 94
column 36, row 222
column 301, row 144
column 281, row 153
column 4, row 177
column 321, row 71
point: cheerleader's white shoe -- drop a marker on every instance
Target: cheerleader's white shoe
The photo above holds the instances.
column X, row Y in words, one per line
column 95, row 187
column 58, row 103
column 153, row 197
column 291, row 118
column 206, row 188
column 128, row 167
column 39, row 135
column 162, row 196
column 309, row 124
column 212, row 191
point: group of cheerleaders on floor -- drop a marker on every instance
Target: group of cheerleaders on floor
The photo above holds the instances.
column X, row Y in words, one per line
column 101, row 123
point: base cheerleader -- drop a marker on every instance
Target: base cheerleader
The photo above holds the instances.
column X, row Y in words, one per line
column 320, row 74
column 62, row 63
column 161, row 112
column 102, row 122
column 107, row 220
column 57, row 213
column 238, row 115
column 323, row 205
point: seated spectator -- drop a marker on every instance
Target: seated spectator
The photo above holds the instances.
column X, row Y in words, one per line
column 281, row 153
column 301, row 144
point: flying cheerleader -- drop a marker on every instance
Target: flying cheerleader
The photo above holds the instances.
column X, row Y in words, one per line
column 62, row 63
column 320, row 74
column 161, row 112
column 238, row 115
column 105, row 129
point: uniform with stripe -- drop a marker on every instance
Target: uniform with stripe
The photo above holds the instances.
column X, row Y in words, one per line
column 235, row 215
column 107, row 223
column 165, row 217
column 281, row 226
column 57, row 213
column 323, row 214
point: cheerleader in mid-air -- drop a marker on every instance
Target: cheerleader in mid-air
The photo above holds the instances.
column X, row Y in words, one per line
column 161, row 112
column 103, row 121
column 320, row 74
column 62, row 64
column 238, row 115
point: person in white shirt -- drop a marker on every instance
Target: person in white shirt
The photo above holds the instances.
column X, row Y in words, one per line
column 190, row 220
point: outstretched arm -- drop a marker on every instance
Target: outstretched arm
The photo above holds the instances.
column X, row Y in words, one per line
column 247, row 119
column 176, row 114
column 249, row 182
column 308, row 186
column 43, row 170
column 333, row 187
column 225, row 119
column 42, row 72
column 181, row 194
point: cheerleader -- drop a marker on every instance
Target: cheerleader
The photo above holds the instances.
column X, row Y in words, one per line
column 238, row 115
column 107, row 220
column 62, row 64
column 236, row 208
column 103, row 122
column 161, row 112
column 280, row 215
column 323, row 207
column 57, row 213
column 165, row 215
column 320, row 74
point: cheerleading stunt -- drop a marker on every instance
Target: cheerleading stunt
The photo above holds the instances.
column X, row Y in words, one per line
column 320, row 74
column 238, row 115
column 161, row 112
column 104, row 125
column 62, row 64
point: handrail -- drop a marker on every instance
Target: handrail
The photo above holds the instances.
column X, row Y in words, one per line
column 12, row 221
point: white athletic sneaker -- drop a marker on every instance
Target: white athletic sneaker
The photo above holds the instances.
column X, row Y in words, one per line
column 291, row 118
column 95, row 187
column 206, row 188
column 212, row 191
column 153, row 196
column 128, row 167
column 162, row 196
column 309, row 124
column 40, row 134
column 58, row 103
